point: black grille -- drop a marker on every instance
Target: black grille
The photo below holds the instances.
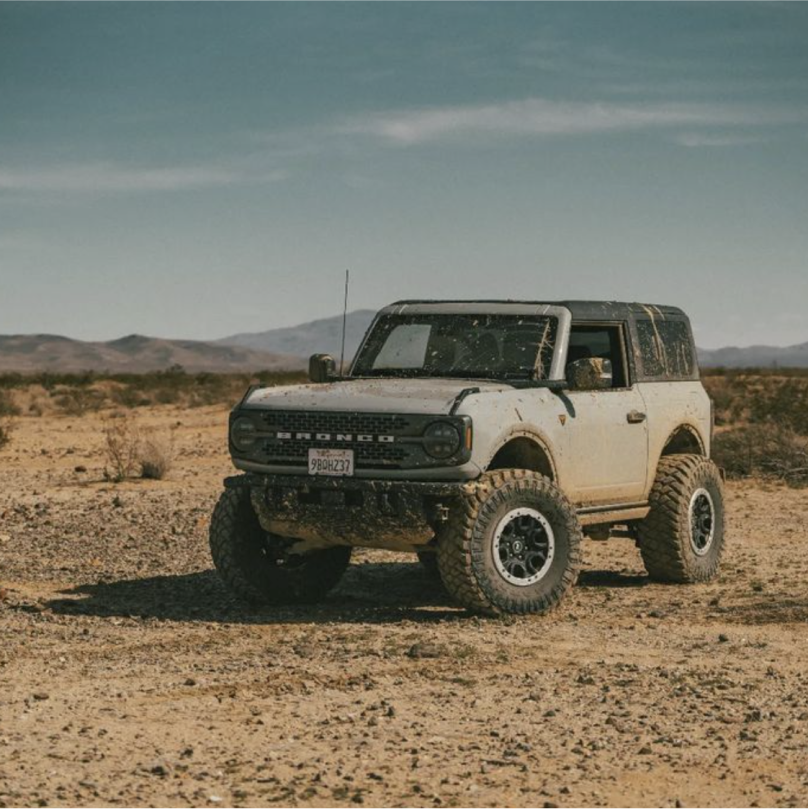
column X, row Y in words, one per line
column 372, row 423
column 368, row 454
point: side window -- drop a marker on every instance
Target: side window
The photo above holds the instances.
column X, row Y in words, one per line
column 665, row 349
column 605, row 342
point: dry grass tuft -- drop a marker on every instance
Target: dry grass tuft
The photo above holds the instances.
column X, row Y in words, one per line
column 6, row 428
column 121, row 449
column 156, row 455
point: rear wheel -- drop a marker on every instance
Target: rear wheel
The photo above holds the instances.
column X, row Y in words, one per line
column 682, row 538
column 262, row 568
column 513, row 545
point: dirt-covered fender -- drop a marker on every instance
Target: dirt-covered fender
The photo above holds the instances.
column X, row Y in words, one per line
column 533, row 413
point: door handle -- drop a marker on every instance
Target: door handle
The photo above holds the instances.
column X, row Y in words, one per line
column 635, row 417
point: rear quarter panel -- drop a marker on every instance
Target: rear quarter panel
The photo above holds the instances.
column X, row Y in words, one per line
column 669, row 406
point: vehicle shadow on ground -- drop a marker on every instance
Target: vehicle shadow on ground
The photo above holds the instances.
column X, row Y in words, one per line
column 368, row 593
column 612, row 578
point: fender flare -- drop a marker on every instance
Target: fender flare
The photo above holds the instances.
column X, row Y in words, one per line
column 534, row 435
column 691, row 429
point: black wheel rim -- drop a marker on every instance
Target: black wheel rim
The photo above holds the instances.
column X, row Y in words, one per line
column 523, row 547
column 702, row 521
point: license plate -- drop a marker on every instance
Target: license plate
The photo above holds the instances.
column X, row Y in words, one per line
column 335, row 462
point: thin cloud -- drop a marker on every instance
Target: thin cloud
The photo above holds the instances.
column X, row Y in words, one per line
column 696, row 140
column 92, row 178
column 536, row 117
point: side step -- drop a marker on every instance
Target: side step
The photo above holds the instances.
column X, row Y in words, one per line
column 602, row 515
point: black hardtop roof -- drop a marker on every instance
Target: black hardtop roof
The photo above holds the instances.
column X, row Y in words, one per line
column 580, row 310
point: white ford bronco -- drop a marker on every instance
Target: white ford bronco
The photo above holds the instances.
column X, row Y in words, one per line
column 487, row 437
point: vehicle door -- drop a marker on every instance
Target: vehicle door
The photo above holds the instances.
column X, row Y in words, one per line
column 606, row 430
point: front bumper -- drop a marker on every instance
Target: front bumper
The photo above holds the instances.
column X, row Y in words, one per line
column 320, row 511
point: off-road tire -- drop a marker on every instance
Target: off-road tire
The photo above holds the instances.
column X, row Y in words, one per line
column 466, row 545
column 667, row 537
column 246, row 557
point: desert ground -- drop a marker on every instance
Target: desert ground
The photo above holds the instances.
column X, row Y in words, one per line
column 128, row 676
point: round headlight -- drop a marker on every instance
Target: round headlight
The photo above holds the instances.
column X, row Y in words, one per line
column 243, row 434
column 441, row 440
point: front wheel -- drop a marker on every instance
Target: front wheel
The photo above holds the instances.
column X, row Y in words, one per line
column 682, row 538
column 262, row 568
column 512, row 546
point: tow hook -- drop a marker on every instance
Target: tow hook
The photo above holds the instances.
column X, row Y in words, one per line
column 441, row 513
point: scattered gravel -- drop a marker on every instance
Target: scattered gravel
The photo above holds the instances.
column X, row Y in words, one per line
column 129, row 676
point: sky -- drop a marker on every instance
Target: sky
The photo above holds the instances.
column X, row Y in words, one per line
column 184, row 170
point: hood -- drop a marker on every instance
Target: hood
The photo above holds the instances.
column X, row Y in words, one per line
column 420, row 396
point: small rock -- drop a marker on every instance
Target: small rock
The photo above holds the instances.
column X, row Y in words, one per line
column 646, row 751
column 80, row 468
column 190, row 681
column 40, row 695
column 722, row 638
column 159, row 767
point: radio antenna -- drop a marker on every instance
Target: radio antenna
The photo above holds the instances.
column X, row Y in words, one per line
column 344, row 318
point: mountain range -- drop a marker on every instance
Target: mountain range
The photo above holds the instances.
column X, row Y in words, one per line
column 275, row 349
column 759, row 356
column 317, row 337
column 29, row 353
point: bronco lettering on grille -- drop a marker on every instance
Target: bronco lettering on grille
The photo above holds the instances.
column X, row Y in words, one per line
column 341, row 437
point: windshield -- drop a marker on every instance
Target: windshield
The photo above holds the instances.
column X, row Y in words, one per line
column 460, row 346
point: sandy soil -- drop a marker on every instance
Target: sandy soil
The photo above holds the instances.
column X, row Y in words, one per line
column 128, row 676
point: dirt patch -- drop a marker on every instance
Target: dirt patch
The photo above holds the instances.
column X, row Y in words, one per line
column 129, row 676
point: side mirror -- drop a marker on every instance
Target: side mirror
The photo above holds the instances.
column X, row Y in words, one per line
column 322, row 368
column 592, row 373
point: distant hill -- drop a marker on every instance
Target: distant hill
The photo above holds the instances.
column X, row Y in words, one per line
column 47, row 352
column 317, row 336
column 795, row 356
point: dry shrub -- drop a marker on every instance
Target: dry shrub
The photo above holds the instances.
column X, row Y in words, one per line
column 78, row 401
column 763, row 450
column 6, row 427
column 156, row 455
column 121, row 449
column 753, row 396
column 8, row 407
